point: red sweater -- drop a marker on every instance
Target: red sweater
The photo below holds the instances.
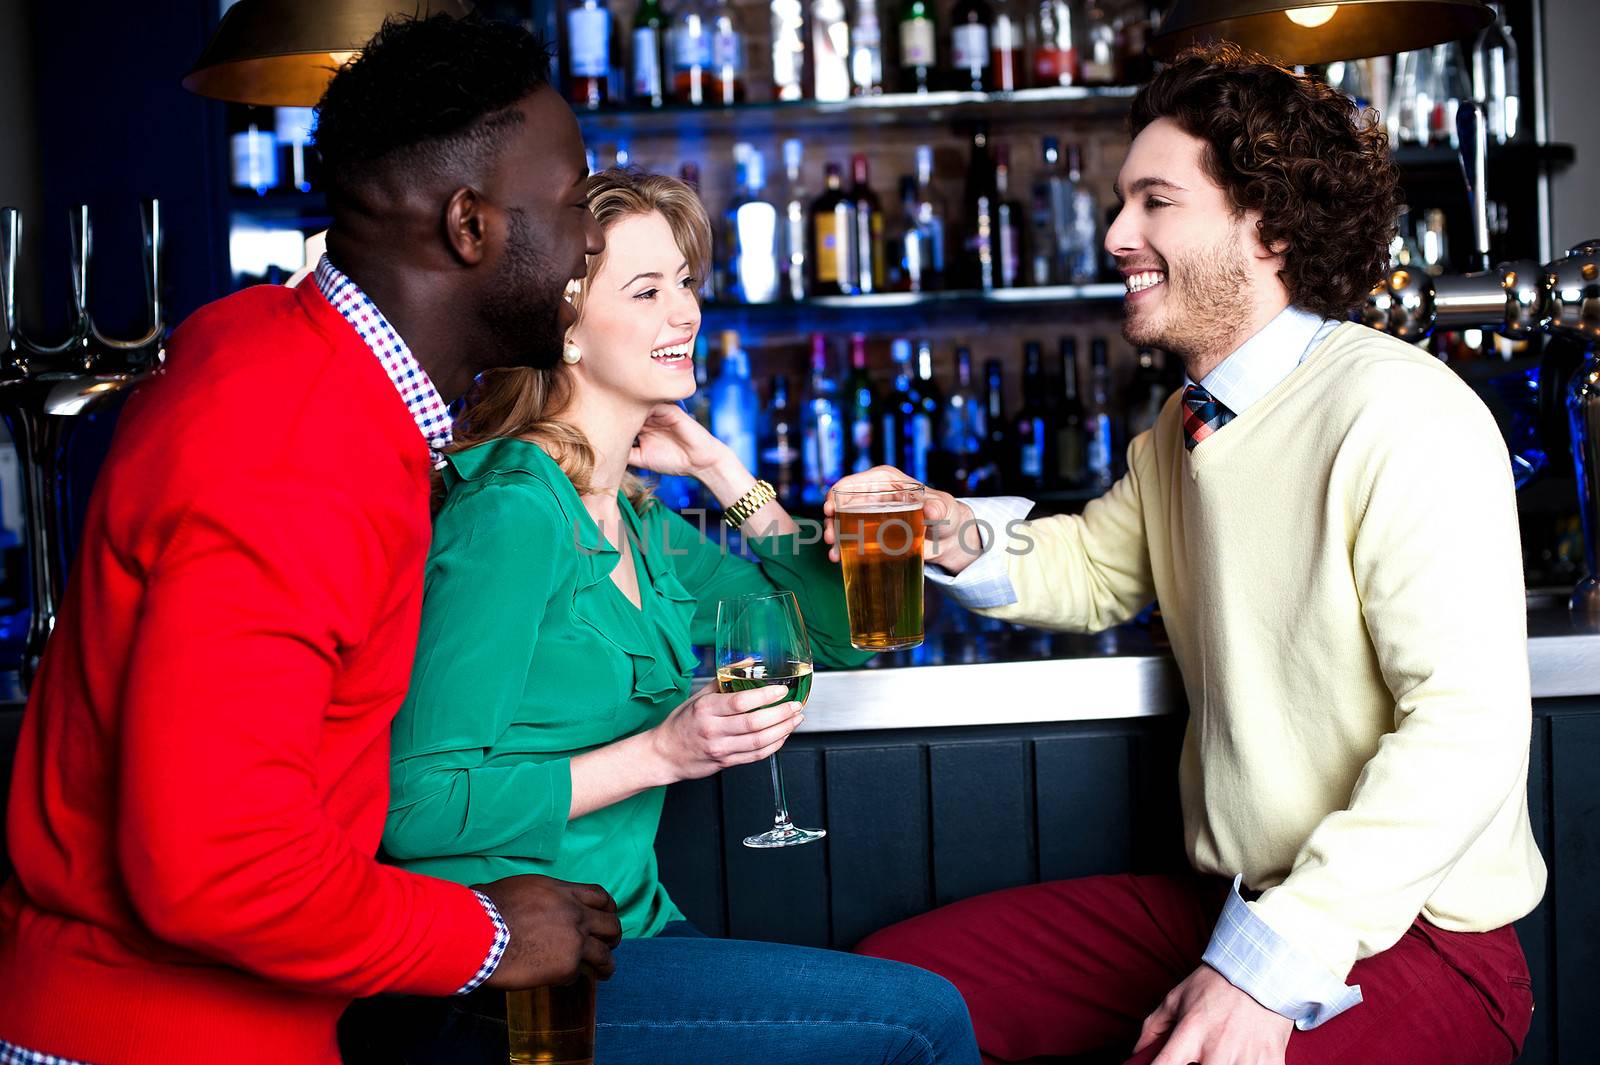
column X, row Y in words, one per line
column 203, row 771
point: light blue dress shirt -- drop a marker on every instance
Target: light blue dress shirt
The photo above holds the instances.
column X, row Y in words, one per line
column 1243, row 947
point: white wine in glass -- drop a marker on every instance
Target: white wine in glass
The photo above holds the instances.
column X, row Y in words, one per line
column 761, row 641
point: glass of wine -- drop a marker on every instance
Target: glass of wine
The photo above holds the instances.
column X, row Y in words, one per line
column 761, row 640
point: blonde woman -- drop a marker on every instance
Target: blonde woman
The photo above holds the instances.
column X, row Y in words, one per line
column 550, row 703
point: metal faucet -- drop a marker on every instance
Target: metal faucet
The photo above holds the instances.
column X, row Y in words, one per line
column 1519, row 299
column 43, row 387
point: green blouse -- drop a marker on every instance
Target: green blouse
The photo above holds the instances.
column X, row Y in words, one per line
column 530, row 654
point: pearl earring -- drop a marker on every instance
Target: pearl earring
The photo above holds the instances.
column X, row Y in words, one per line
column 571, row 354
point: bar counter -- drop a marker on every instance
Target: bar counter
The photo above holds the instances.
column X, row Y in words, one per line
column 991, row 674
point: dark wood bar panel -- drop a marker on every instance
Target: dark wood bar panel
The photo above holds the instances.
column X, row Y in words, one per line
column 921, row 817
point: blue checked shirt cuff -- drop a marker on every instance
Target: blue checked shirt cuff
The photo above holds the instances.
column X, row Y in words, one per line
column 985, row 583
column 502, row 939
column 1271, row 970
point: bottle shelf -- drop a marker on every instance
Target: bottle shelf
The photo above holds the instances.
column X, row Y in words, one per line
column 884, row 308
column 861, row 112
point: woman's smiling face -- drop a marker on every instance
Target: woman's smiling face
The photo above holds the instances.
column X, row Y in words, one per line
column 641, row 312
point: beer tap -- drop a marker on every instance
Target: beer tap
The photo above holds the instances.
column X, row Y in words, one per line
column 43, row 387
column 1519, row 299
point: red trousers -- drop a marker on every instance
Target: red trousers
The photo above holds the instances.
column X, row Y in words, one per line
column 1075, row 966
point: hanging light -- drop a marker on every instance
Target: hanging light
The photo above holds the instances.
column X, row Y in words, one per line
column 1293, row 32
column 282, row 53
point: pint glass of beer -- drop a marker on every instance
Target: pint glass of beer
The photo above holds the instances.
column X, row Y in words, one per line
column 552, row 1025
column 879, row 533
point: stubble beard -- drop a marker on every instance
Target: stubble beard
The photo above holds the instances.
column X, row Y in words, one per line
column 521, row 311
column 1205, row 303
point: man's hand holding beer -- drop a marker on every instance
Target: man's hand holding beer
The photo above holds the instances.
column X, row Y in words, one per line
column 952, row 540
column 556, row 927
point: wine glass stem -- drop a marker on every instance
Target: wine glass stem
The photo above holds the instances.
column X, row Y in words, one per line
column 780, row 804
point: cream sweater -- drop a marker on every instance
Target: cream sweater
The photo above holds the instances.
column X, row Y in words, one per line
column 1340, row 574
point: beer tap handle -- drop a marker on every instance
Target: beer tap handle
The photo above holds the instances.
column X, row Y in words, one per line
column 148, row 346
column 1473, row 131
column 10, row 241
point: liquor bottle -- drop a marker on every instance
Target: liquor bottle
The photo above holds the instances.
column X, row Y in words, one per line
column 690, row 43
column 700, row 402
column 1052, row 206
column 1100, row 426
column 780, row 443
column 869, row 228
column 1055, row 53
column 995, row 472
column 830, row 51
column 894, row 418
column 919, row 46
column 907, row 250
column 861, row 410
column 689, row 174
column 1146, row 394
column 796, row 237
column 931, row 219
column 971, row 24
column 1072, row 441
column 1034, row 429
column 978, row 266
column 866, row 50
column 292, row 127
column 727, row 55
column 963, row 431
column 1006, row 65
column 735, row 409
column 1138, row 66
column 824, row 427
column 588, row 53
column 1041, row 237
column 1496, row 77
column 1099, row 58
column 1007, row 223
column 254, row 148
column 833, row 234
column 1083, row 250
column 788, row 50
column 922, row 422
column 752, row 226
column 646, row 75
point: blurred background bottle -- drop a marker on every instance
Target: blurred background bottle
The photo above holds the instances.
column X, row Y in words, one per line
column 1055, row 53
column 646, row 77
column 1007, row 44
column 727, row 55
column 796, row 234
column 824, row 428
column 1033, row 430
column 689, row 41
column 1008, row 220
column 866, row 50
column 963, row 431
column 752, row 225
column 971, row 27
column 868, row 228
column 919, row 46
column 780, row 443
column 861, row 410
column 1100, row 454
column 830, row 51
column 979, row 203
column 588, row 54
column 735, row 408
column 1072, row 469
column 833, row 225
column 788, row 49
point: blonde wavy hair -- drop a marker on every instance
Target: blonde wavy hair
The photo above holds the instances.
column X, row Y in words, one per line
column 527, row 403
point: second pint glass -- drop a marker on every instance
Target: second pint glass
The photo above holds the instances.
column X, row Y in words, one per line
column 879, row 532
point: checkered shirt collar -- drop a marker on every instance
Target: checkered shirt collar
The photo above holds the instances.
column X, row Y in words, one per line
column 422, row 399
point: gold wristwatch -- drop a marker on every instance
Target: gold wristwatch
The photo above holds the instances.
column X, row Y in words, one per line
column 760, row 494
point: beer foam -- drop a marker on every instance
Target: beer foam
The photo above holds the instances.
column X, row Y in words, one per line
column 878, row 508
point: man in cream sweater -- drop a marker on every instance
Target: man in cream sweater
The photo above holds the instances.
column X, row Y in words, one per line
column 1326, row 516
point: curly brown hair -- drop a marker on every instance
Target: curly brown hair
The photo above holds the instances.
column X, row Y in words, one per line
column 1299, row 152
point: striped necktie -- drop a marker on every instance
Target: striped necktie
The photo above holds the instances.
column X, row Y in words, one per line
column 1203, row 414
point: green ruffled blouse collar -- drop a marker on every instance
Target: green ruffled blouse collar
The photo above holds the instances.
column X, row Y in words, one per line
column 655, row 637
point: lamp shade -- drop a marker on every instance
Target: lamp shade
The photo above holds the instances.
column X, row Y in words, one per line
column 282, row 53
column 1294, row 33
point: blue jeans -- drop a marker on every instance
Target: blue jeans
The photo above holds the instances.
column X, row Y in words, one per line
column 683, row 999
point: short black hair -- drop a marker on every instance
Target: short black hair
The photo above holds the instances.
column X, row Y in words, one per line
column 429, row 95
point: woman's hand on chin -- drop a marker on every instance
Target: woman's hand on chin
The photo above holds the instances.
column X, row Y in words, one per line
column 673, row 444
